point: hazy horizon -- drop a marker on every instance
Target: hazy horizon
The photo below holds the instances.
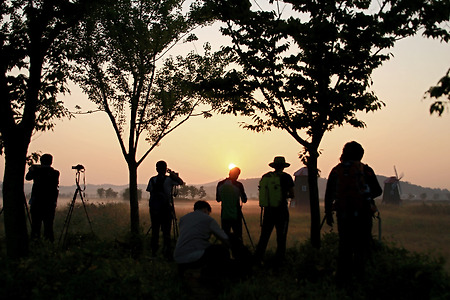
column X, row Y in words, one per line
column 401, row 134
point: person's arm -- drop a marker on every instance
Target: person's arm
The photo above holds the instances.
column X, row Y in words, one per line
column 218, row 192
column 372, row 181
column 176, row 178
column 242, row 192
column 290, row 186
column 218, row 232
column 290, row 193
column 30, row 173
column 149, row 185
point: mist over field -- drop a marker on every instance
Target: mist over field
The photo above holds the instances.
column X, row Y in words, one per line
column 409, row 190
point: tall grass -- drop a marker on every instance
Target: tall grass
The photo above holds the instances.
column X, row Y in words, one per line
column 408, row 264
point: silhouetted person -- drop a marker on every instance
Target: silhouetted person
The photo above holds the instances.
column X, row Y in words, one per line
column 161, row 206
column 351, row 189
column 44, row 196
column 231, row 192
column 193, row 248
column 276, row 215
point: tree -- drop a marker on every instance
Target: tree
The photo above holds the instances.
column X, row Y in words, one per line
column 309, row 70
column 34, row 47
column 193, row 191
column 120, row 70
column 101, row 192
column 183, row 190
column 442, row 89
column 201, row 192
column 126, row 194
column 111, row 194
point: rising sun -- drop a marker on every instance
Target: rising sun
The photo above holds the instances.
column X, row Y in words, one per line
column 231, row 166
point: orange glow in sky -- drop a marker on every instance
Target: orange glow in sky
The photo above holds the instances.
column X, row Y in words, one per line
column 402, row 133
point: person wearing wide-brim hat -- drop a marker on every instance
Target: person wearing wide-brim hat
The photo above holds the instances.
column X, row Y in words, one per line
column 279, row 162
column 277, row 216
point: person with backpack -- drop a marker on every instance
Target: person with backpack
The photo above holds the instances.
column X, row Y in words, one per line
column 162, row 207
column 230, row 193
column 44, row 196
column 274, row 190
column 351, row 189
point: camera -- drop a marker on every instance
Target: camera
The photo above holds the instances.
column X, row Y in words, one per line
column 78, row 167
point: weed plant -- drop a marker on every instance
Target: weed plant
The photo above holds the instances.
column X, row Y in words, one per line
column 101, row 266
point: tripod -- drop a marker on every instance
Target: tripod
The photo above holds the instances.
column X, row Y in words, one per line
column 246, row 227
column 78, row 191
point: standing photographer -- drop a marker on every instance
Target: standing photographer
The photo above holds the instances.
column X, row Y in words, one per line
column 161, row 206
column 44, row 196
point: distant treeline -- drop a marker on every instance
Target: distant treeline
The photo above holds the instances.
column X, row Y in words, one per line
column 184, row 191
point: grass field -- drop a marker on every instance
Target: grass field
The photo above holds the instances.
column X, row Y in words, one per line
column 101, row 267
column 417, row 226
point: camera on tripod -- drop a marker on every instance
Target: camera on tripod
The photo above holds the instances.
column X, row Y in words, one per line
column 78, row 167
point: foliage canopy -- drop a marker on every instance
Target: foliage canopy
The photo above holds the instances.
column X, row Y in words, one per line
column 305, row 66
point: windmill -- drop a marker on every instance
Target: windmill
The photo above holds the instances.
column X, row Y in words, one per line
column 392, row 189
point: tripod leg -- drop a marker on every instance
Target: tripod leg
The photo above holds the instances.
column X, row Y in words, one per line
column 85, row 210
column 248, row 232
column 175, row 224
column 27, row 210
column 65, row 229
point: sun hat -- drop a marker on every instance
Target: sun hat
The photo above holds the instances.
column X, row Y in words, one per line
column 279, row 161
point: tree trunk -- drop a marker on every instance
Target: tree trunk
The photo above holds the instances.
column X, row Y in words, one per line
column 134, row 204
column 14, row 199
column 135, row 239
column 314, row 199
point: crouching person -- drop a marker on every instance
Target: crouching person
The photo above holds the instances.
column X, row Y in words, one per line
column 194, row 250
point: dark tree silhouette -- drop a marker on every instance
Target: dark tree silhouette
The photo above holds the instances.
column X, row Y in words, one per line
column 440, row 92
column 101, row 192
column 34, row 49
column 306, row 66
column 120, row 69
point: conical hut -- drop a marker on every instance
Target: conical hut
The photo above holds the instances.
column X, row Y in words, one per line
column 391, row 193
column 301, row 190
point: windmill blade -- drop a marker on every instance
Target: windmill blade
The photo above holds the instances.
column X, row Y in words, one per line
column 396, row 174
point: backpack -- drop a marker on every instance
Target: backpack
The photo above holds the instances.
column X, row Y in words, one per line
column 229, row 196
column 270, row 194
column 352, row 191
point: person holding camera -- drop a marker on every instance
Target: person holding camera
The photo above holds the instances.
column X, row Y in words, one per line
column 230, row 192
column 44, row 196
column 161, row 206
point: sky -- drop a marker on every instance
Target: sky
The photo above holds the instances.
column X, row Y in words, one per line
column 402, row 134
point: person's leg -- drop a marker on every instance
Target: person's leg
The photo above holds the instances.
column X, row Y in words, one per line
column 237, row 228
column 49, row 216
column 226, row 226
column 156, row 224
column 345, row 252
column 266, row 231
column 282, row 225
column 166, row 227
column 362, row 244
column 36, row 221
